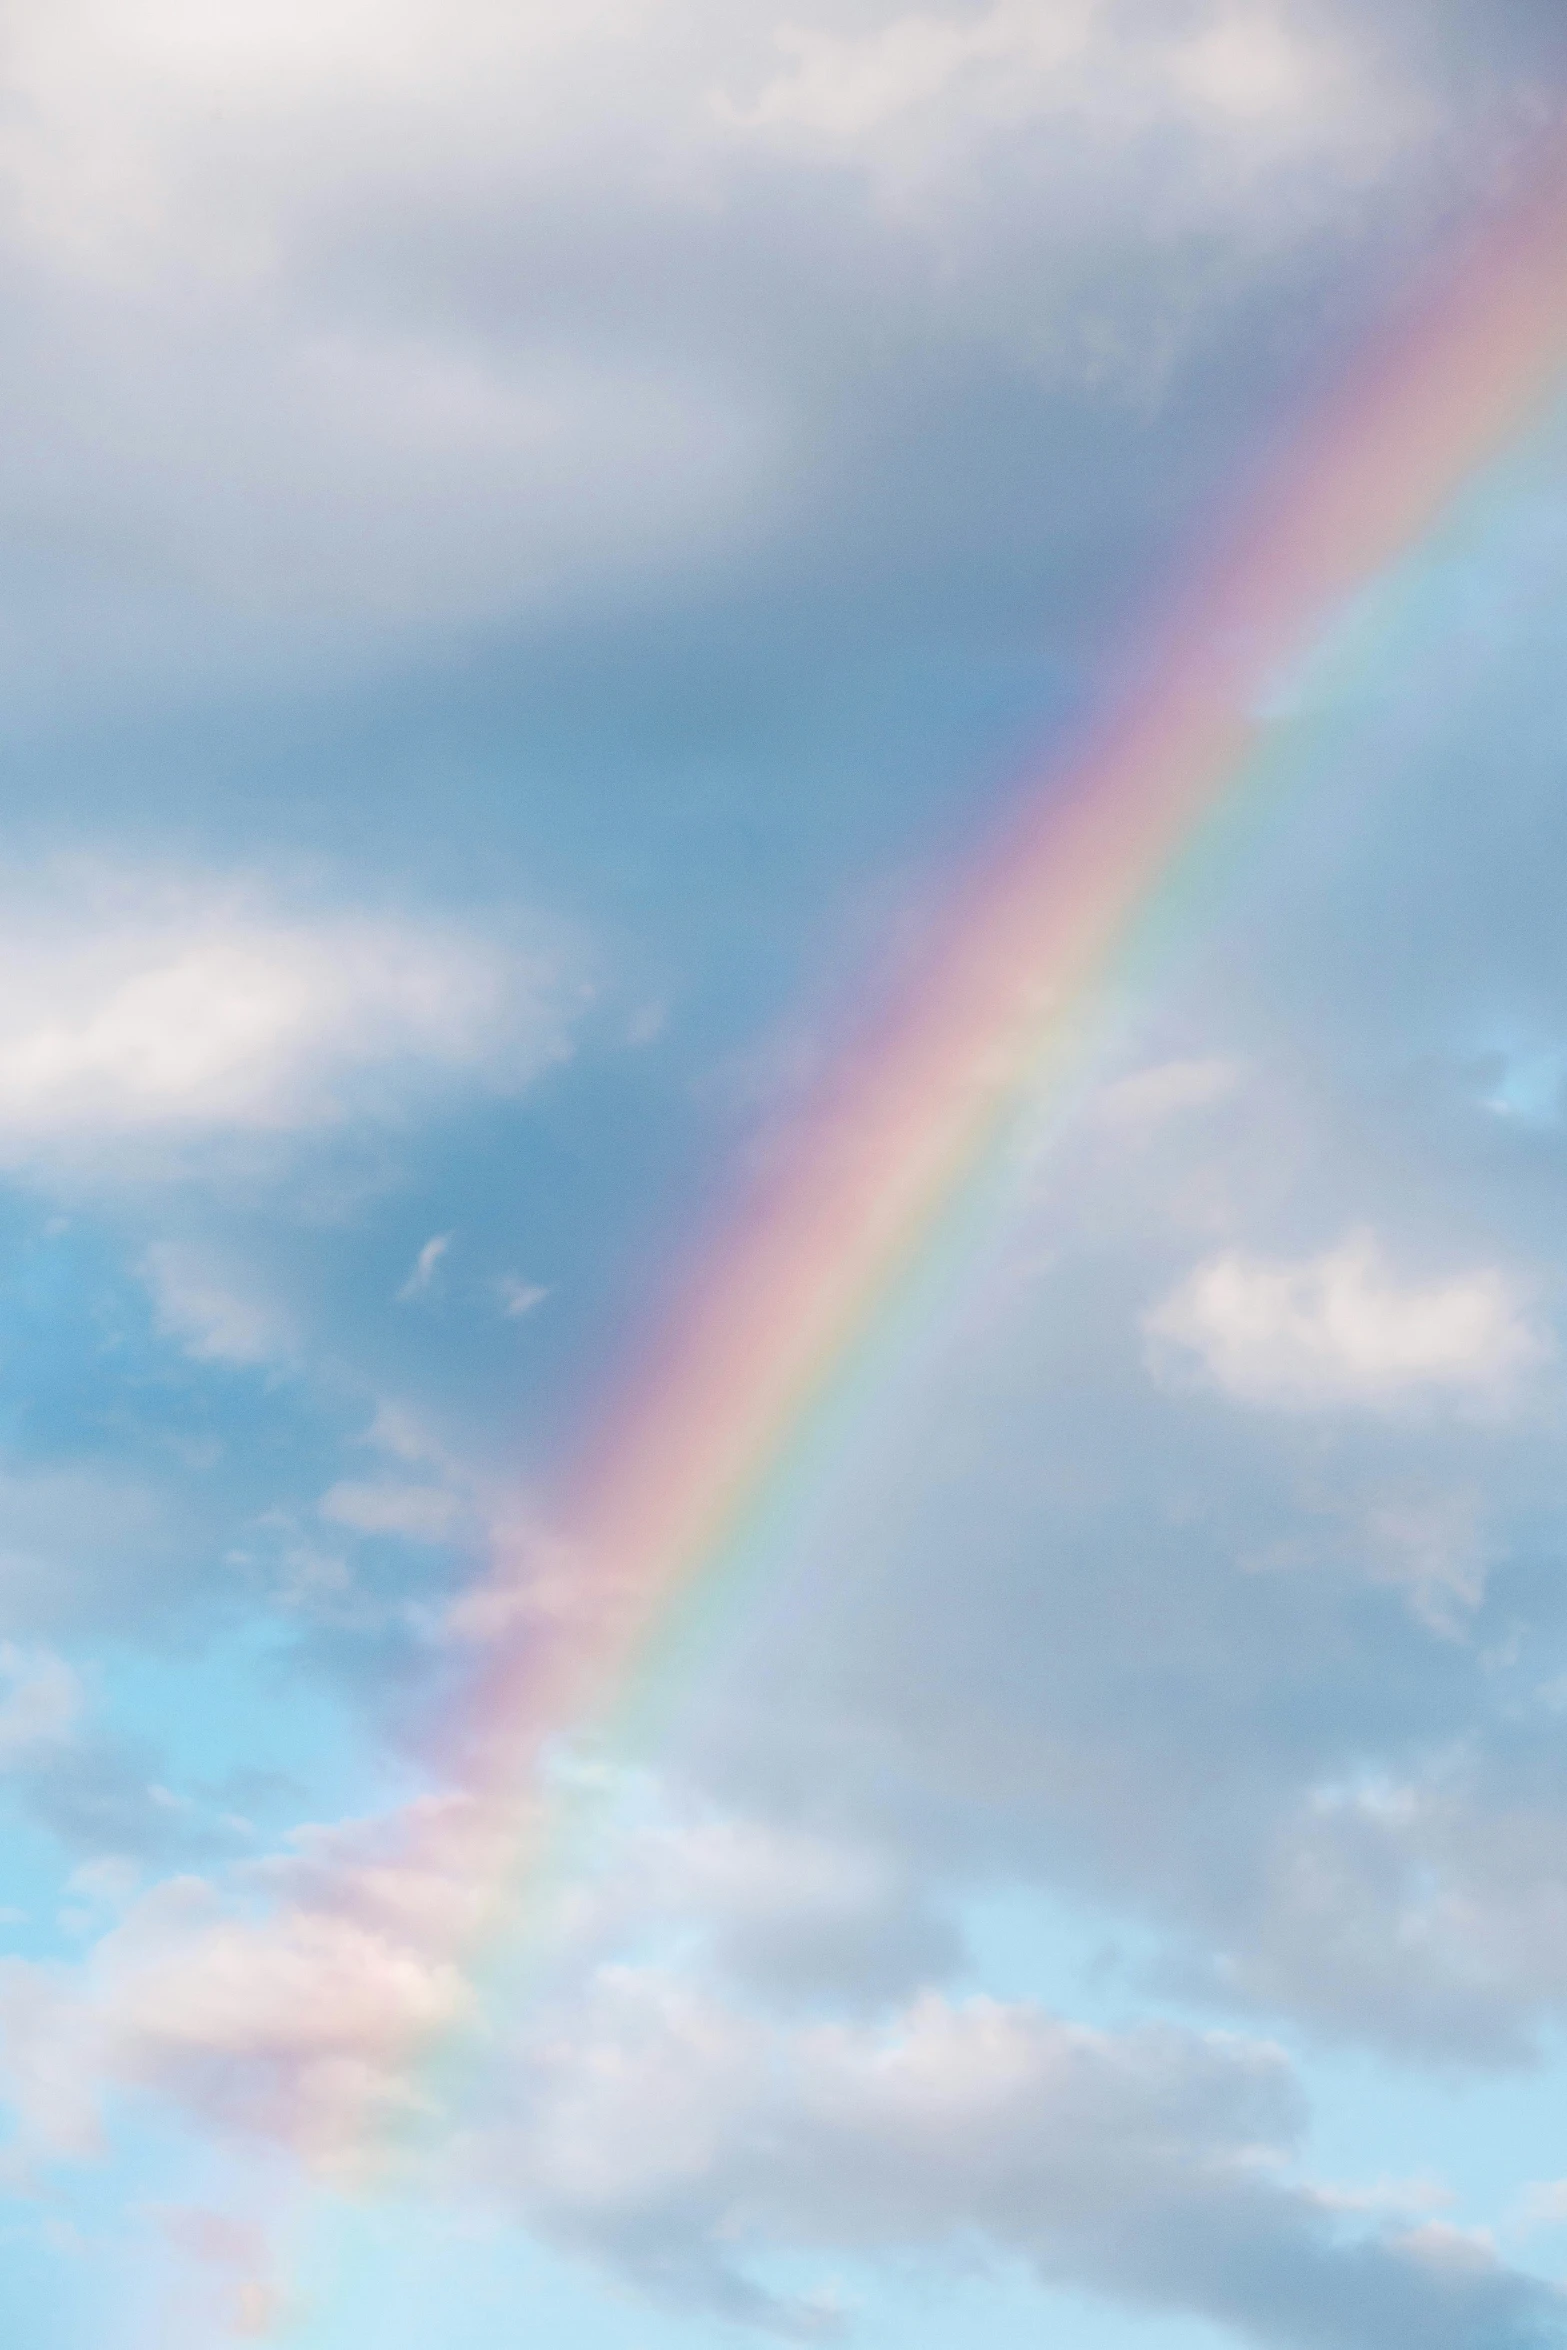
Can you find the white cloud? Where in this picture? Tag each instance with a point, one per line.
(1032, 1625)
(296, 2027)
(295, 2013)
(108, 1883)
(1250, 62)
(164, 1008)
(238, 2250)
(1341, 1329)
(519, 1297)
(426, 1265)
(794, 1914)
(1435, 1546)
(850, 84)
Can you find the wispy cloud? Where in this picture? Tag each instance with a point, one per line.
(420, 1513)
(519, 1297)
(426, 1268)
(215, 1310)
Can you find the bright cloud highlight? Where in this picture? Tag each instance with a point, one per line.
(1341, 1329)
(147, 1009)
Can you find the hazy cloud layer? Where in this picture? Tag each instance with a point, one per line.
(433, 317)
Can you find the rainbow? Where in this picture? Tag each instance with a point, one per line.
(725, 1395)
(877, 1168)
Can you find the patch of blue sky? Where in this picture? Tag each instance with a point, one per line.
(84, 1370)
(34, 1890)
(69, 1324)
(251, 1736)
(384, 2274)
(90, 2248)
(59, 2286)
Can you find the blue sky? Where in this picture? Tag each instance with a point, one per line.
(538, 537)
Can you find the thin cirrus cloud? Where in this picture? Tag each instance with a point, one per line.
(426, 1268)
(210, 1307)
(419, 1513)
(1342, 1329)
(519, 1297)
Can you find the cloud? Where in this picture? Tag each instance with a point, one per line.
(426, 1266)
(1543, 2205)
(798, 1918)
(477, 320)
(1430, 1543)
(40, 1702)
(519, 1297)
(677, 2137)
(81, 1538)
(849, 84)
(1248, 63)
(1268, 1697)
(673, 2136)
(381, 471)
(1340, 1330)
(480, 319)
(289, 2009)
(201, 1300)
(149, 1009)
(420, 1513)
(1412, 1908)
(291, 2028)
(1147, 1097)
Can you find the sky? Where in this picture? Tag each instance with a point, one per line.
(542, 544)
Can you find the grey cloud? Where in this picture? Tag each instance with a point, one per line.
(1278, 1685)
(674, 2137)
(506, 313)
(1146, 2167)
(795, 1919)
(1282, 1686)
